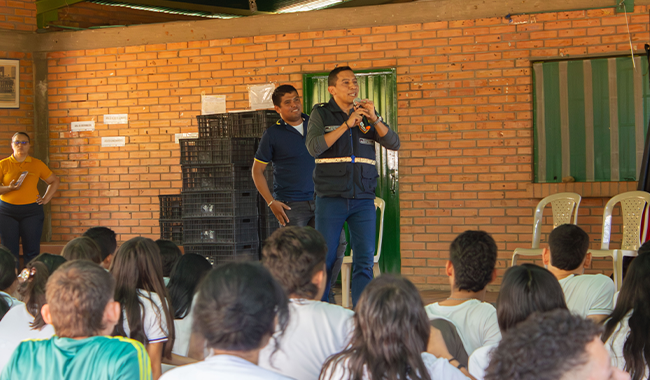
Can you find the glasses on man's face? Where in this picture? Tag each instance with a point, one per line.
(21, 142)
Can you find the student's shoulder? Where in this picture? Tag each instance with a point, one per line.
(594, 280)
(331, 309)
(119, 345)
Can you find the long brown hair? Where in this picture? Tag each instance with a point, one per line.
(137, 265)
(32, 290)
(391, 333)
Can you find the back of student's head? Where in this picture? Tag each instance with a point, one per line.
(568, 244)
(391, 332)
(526, 289)
(169, 254)
(52, 262)
(82, 248)
(546, 346)
(473, 255)
(7, 277)
(294, 255)
(31, 289)
(185, 277)
(105, 239)
(77, 295)
(237, 307)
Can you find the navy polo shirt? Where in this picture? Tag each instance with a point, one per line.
(293, 166)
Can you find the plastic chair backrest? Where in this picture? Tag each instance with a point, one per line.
(632, 205)
(381, 205)
(564, 205)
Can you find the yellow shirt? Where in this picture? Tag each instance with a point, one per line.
(10, 169)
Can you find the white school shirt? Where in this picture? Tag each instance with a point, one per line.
(480, 360)
(183, 331)
(153, 318)
(616, 341)
(222, 367)
(475, 321)
(316, 330)
(589, 294)
(14, 328)
(439, 369)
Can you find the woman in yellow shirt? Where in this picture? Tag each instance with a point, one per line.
(21, 205)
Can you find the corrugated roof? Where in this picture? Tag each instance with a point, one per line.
(151, 8)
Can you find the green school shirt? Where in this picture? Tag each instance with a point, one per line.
(96, 358)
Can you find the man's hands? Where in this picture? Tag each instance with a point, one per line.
(278, 208)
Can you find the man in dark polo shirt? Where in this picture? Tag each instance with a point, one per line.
(341, 136)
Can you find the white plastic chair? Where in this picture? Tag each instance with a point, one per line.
(564, 206)
(346, 267)
(632, 205)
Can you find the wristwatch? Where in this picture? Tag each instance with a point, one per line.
(377, 121)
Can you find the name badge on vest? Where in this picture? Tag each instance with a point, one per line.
(330, 128)
(366, 141)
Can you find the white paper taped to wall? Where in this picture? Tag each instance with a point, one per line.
(113, 141)
(81, 126)
(211, 104)
(121, 118)
(259, 96)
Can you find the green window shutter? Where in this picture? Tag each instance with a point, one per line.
(590, 119)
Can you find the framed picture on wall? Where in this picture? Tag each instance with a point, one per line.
(9, 83)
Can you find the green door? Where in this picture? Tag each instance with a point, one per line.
(380, 87)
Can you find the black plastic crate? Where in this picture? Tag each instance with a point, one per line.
(236, 124)
(221, 230)
(268, 224)
(225, 253)
(219, 204)
(172, 230)
(171, 206)
(222, 177)
(218, 151)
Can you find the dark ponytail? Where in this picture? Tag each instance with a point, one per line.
(32, 290)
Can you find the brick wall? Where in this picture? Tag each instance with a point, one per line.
(18, 15)
(465, 119)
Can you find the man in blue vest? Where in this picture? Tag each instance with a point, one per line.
(341, 135)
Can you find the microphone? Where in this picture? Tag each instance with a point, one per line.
(364, 124)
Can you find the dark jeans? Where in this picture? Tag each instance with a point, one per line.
(360, 214)
(22, 222)
(302, 214)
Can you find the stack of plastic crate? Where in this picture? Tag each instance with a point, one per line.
(171, 222)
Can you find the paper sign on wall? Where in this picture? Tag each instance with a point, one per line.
(211, 104)
(192, 135)
(259, 96)
(81, 126)
(118, 118)
(113, 141)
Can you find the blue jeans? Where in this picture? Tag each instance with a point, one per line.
(21, 222)
(360, 214)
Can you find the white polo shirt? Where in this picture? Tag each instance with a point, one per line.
(222, 367)
(153, 318)
(589, 294)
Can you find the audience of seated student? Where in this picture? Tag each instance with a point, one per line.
(147, 316)
(553, 345)
(627, 330)
(237, 307)
(52, 262)
(295, 256)
(184, 280)
(25, 321)
(525, 289)
(82, 248)
(588, 295)
(107, 242)
(169, 253)
(80, 306)
(391, 332)
(8, 281)
(471, 266)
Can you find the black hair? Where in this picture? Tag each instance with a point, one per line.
(281, 91)
(334, 74)
(474, 256)
(526, 289)
(237, 307)
(105, 239)
(21, 133)
(169, 254)
(634, 296)
(7, 277)
(52, 262)
(187, 273)
(569, 245)
(546, 346)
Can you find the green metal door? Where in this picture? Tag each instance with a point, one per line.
(380, 87)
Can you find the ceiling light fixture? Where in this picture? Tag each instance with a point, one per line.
(309, 5)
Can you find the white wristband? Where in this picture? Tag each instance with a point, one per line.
(270, 203)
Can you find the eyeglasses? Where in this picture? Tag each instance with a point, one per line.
(21, 142)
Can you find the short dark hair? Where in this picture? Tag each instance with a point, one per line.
(546, 346)
(78, 293)
(281, 91)
(526, 289)
(237, 306)
(21, 133)
(82, 248)
(334, 74)
(105, 239)
(293, 255)
(169, 253)
(569, 245)
(474, 256)
(52, 262)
